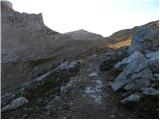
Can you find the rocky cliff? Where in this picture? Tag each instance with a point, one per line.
(22, 35)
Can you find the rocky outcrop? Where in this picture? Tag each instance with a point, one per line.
(145, 38)
(140, 71)
(135, 75)
(23, 34)
(137, 67)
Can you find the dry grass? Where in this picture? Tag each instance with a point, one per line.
(120, 44)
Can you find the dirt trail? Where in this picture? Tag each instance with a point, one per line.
(88, 96)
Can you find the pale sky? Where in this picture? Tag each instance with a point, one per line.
(99, 16)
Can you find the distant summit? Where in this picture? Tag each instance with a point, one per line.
(83, 35)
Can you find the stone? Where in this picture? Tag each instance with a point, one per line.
(132, 98)
(150, 91)
(57, 98)
(153, 61)
(15, 104)
(67, 65)
(109, 84)
(116, 85)
(69, 86)
(93, 74)
(156, 77)
(136, 72)
(145, 38)
(153, 55)
(127, 93)
(129, 86)
(121, 65)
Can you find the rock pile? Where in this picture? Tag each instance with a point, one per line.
(140, 71)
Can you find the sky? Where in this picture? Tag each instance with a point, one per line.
(98, 16)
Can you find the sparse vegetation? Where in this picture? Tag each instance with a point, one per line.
(46, 74)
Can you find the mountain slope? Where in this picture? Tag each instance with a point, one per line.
(30, 48)
(83, 35)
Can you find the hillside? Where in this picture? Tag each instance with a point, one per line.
(77, 75)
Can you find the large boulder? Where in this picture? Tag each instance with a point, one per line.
(145, 38)
(135, 75)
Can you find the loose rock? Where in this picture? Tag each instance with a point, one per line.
(150, 91)
(132, 98)
(15, 104)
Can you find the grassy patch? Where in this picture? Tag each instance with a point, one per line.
(51, 82)
(40, 61)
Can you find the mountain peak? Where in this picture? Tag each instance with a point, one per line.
(82, 34)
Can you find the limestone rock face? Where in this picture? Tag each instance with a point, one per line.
(135, 75)
(145, 38)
